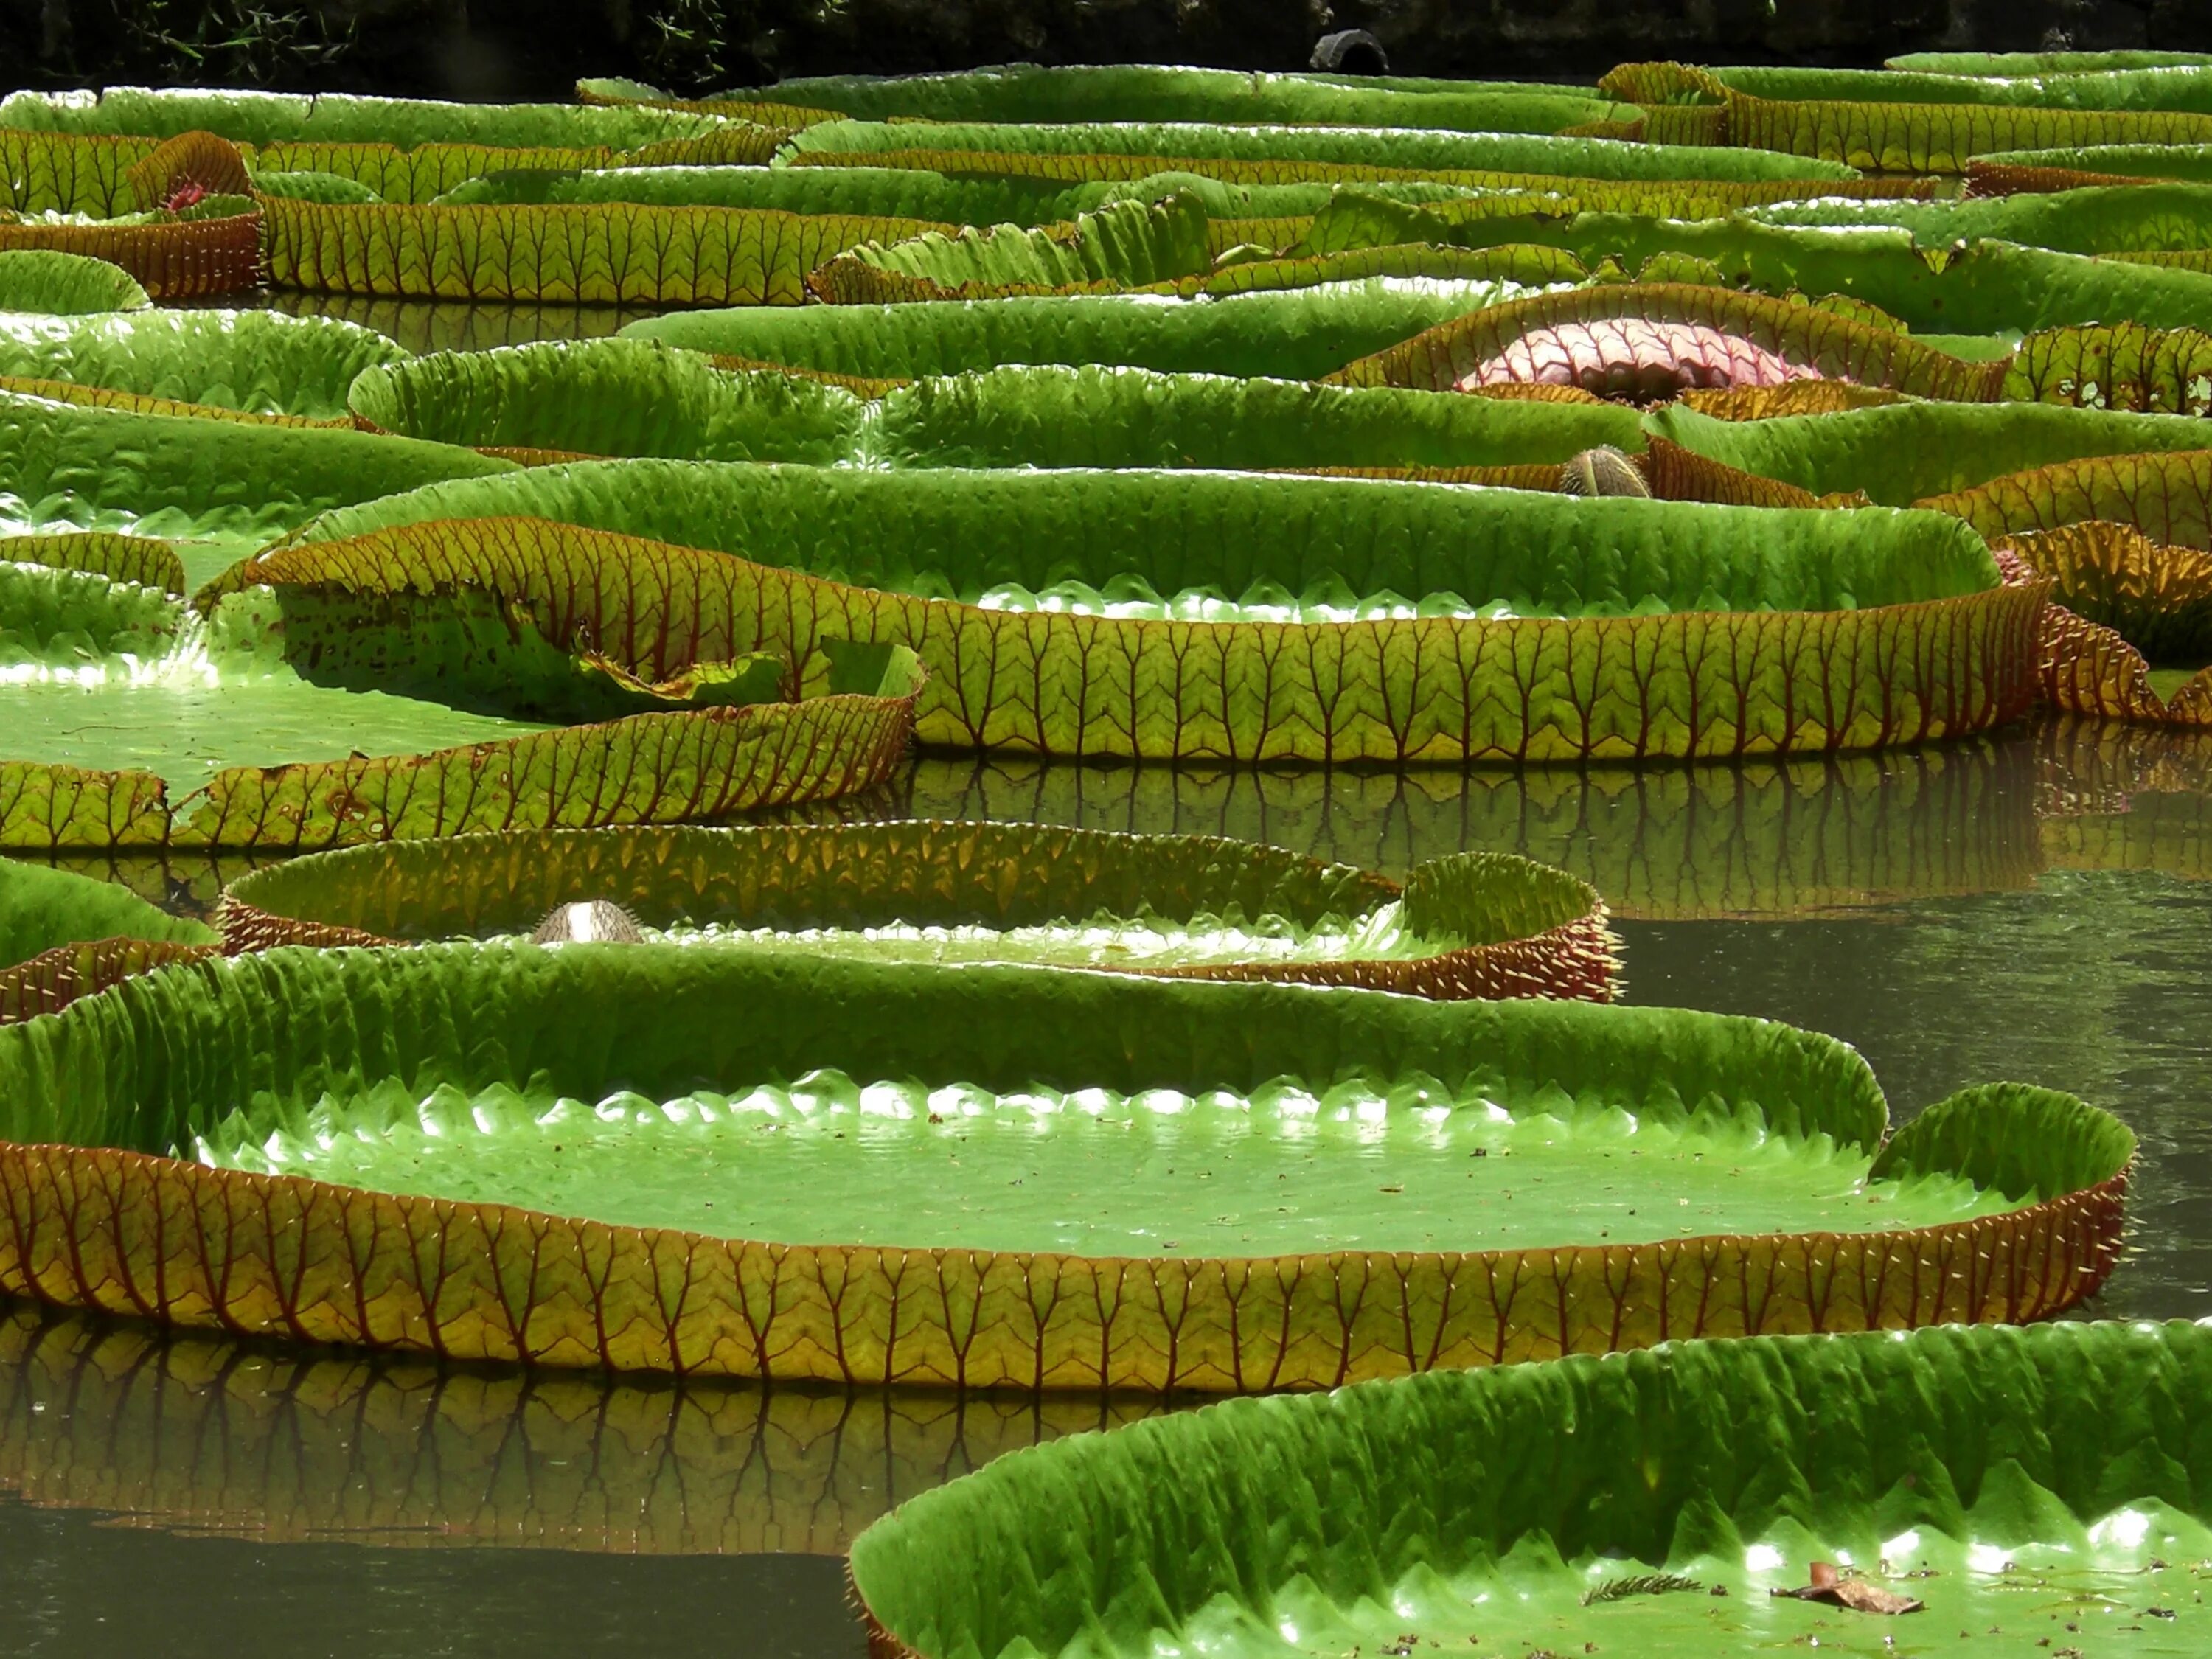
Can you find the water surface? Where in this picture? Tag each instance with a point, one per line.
(2029, 908)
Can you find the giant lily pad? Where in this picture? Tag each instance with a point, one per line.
(175, 214)
(2051, 85)
(223, 488)
(334, 716)
(1248, 618)
(874, 192)
(638, 397)
(65, 284)
(411, 175)
(1965, 287)
(1905, 454)
(2086, 166)
(625, 254)
(610, 397)
(1165, 146)
(257, 362)
(2166, 494)
(266, 118)
(2130, 219)
(42, 907)
(1974, 64)
(1188, 908)
(1055, 416)
(404, 150)
(63, 935)
(1689, 105)
(1122, 246)
(1295, 336)
(2017, 1483)
(577, 1157)
(171, 256)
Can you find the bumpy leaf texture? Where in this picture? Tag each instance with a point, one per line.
(1127, 244)
(1099, 167)
(1054, 417)
(1151, 93)
(1518, 263)
(1193, 146)
(258, 118)
(645, 769)
(1801, 396)
(50, 982)
(613, 92)
(2157, 598)
(609, 397)
(1412, 690)
(1909, 454)
(1661, 338)
(604, 255)
(1298, 335)
(2113, 575)
(182, 170)
(259, 363)
(65, 284)
(137, 403)
(185, 259)
(2167, 496)
(424, 172)
(140, 559)
(1492, 924)
(1896, 138)
(1631, 358)
(1213, 1523)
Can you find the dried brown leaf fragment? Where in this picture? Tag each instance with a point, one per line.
(1830, 1586)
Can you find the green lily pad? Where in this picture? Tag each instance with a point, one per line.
(262, 119)
(1975, 63)
(2038, 1491)
(221, 487)
(1054, 417)
(577, 1156)
(1483, 624)
(1469, 926)
(1296, 335)
(257, 362)
(610, 397)
(1592, 158)
(327, 715)
(42, 907)
(624, 397)
(1906, 453)
(65, 284)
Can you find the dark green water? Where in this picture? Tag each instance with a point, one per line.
(2034, 907)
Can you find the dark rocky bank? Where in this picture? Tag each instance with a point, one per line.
(530, 49)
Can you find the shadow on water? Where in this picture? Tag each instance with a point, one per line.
(2030, 906)
(183, 1496)
(226, 1439)
(1762, 841)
